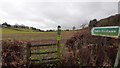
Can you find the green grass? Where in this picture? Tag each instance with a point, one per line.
(16, 31)
(25, 34)
(29, 35)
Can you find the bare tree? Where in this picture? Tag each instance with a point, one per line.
(92, 23)
(16, 26)
(83, 26)
(74, 28)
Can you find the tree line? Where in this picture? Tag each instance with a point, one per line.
(92, 23)
(6, 25)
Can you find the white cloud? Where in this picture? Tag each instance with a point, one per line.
(46, 15)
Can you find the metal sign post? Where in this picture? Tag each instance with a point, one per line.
(117, 57)
(114, 32)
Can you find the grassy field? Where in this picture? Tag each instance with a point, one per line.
(29, 35)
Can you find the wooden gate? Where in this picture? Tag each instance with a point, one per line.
(44, 53)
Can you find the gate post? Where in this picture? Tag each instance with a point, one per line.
(28, 52)
(58, 39)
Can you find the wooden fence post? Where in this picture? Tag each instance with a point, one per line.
(58, 40)
(28, 52)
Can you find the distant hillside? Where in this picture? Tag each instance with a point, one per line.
(110, 21)
(16, 30)
(84, 37)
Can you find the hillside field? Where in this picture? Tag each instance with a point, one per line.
(30, 35)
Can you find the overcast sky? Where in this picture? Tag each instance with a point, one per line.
(48, 14)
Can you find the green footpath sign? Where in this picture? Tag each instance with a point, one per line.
(113, 31)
